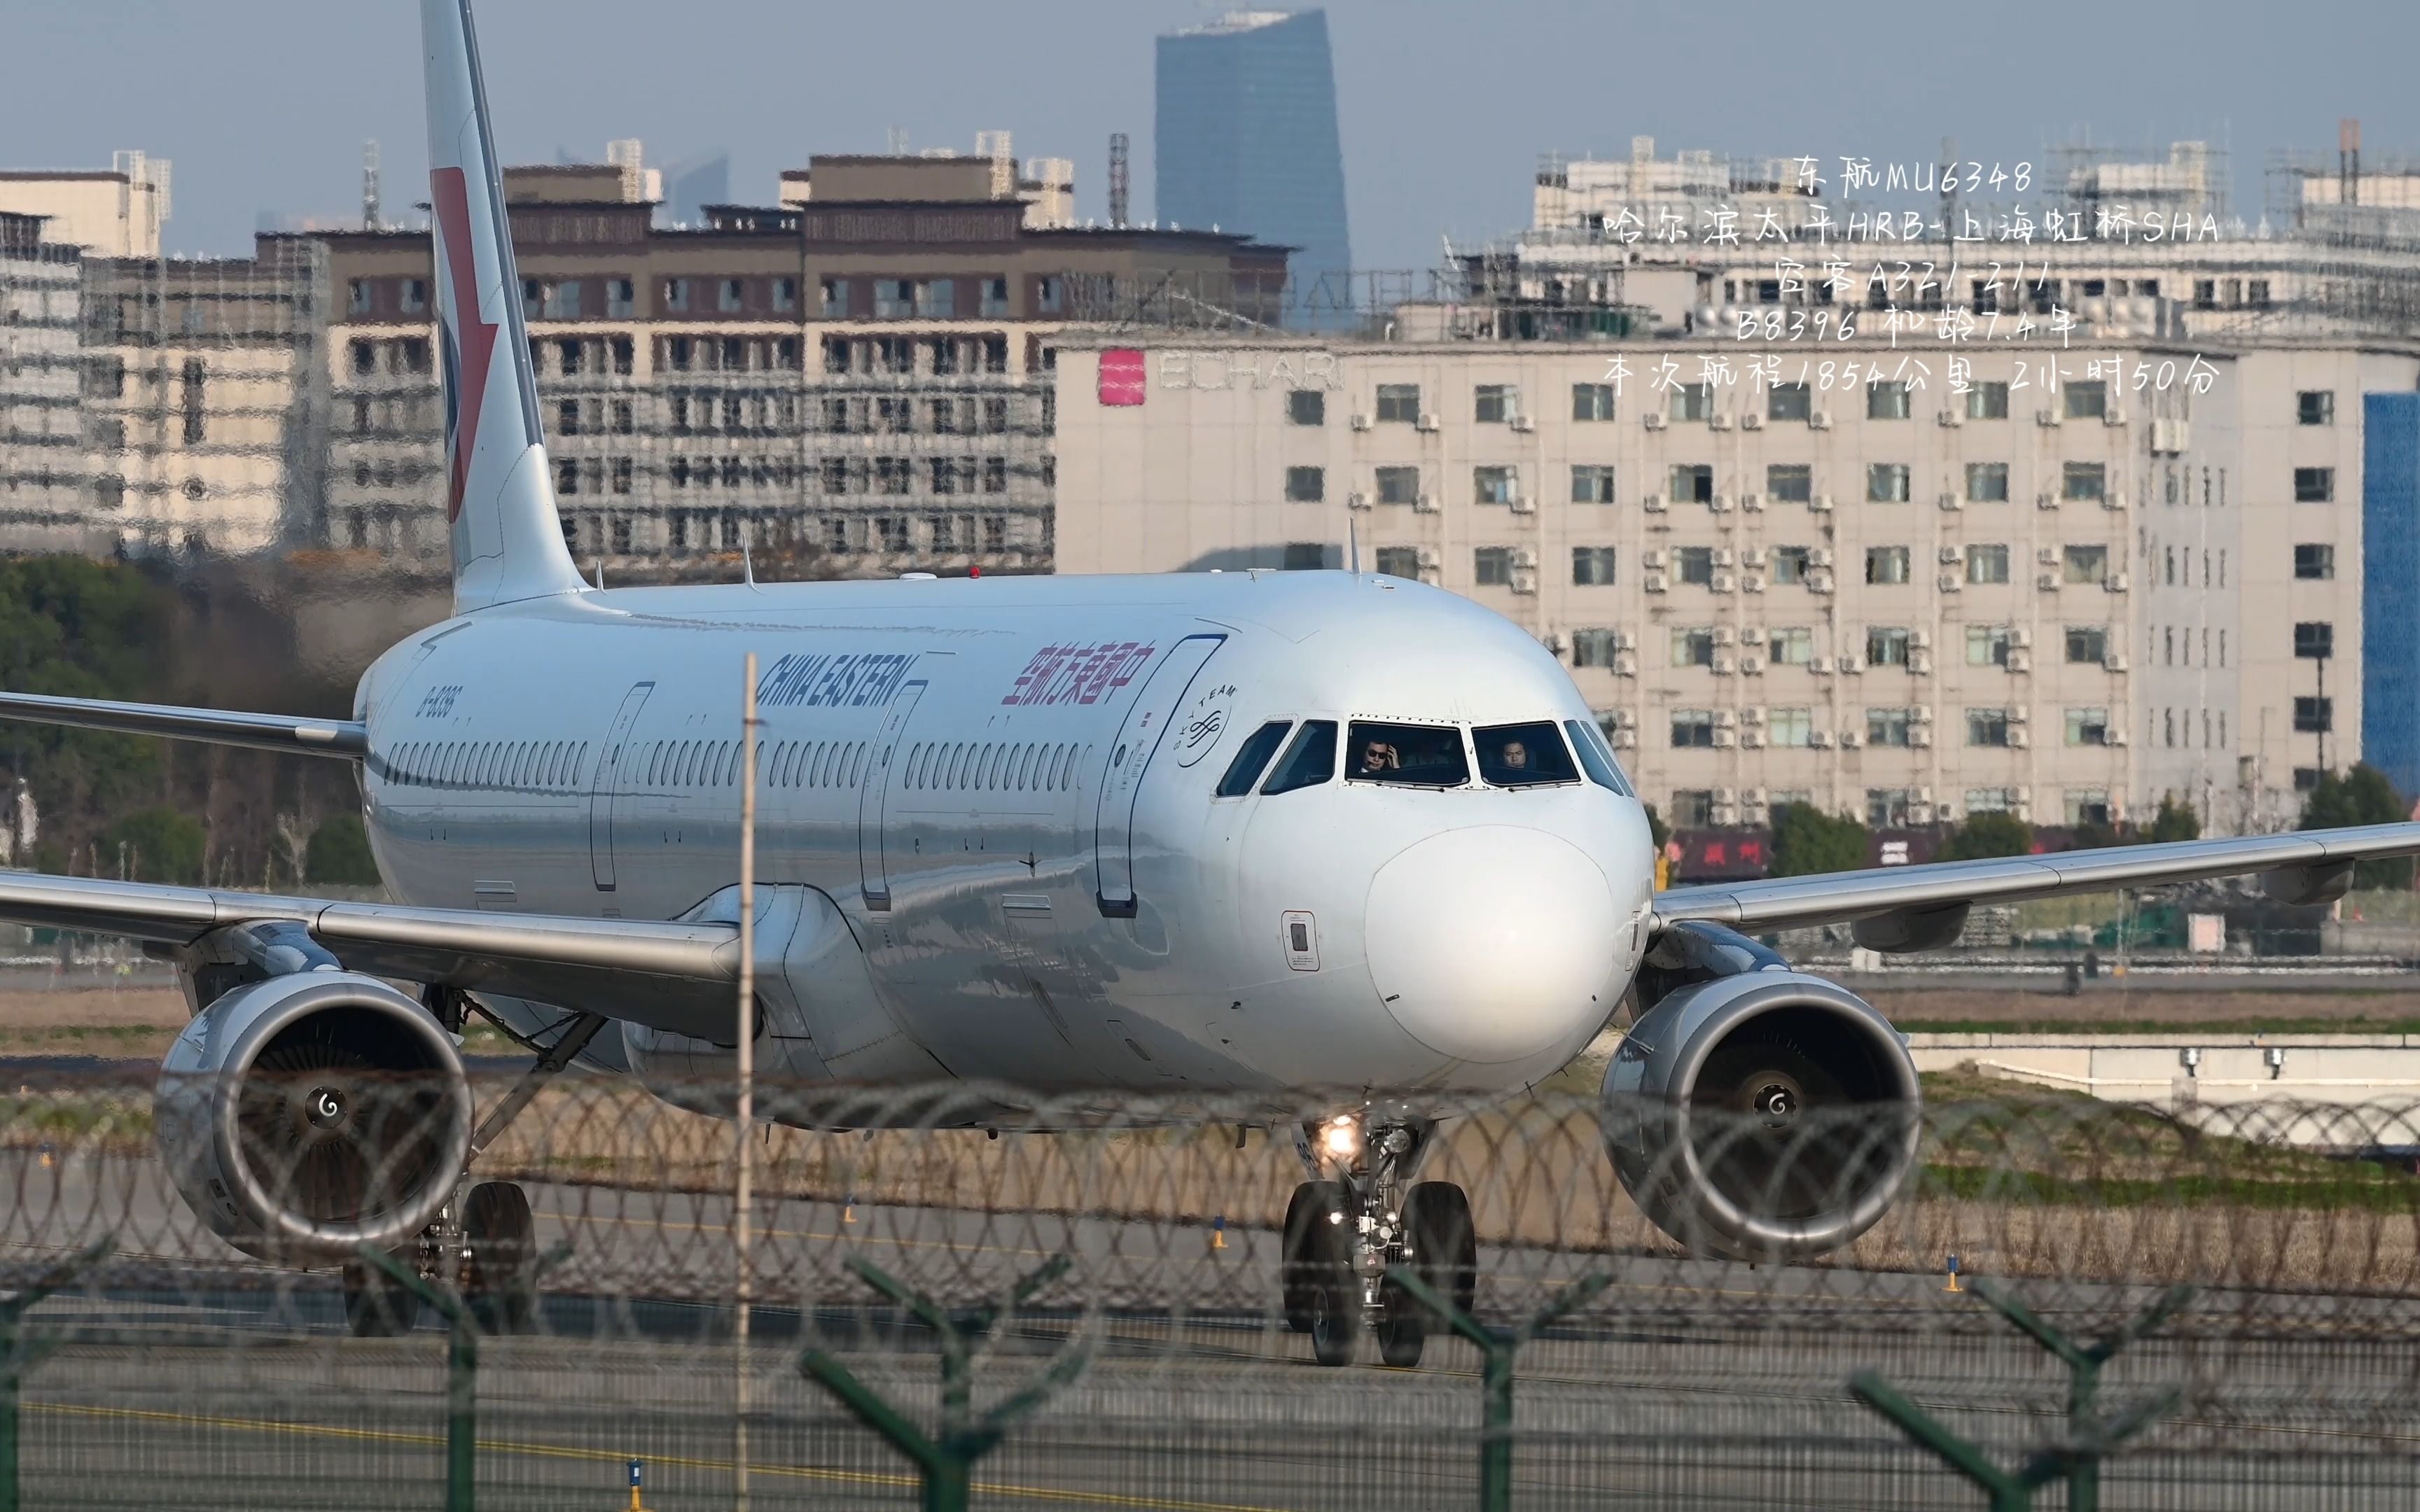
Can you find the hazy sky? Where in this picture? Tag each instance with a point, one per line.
(263, 104)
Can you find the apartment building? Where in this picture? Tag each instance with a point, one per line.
(2052, 592)
(859, 376)
(42, 502)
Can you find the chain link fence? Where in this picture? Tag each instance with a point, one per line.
(1085, 1306)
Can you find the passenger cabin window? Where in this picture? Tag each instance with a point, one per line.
(1596, 755)
(1252, 757)
(1523, 755)
(1310, 761)
(1410, 755)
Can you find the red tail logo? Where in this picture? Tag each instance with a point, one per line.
(469, 342)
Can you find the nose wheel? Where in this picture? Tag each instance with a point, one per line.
(1345, 1231)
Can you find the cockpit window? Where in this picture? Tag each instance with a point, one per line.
(1523, 755)
(1310, 761)
(1596, 756)
(1257, 749)
(1411, 755)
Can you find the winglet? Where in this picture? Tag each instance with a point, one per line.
(507, 537)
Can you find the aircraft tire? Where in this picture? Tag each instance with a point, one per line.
(500, 1276)
(1402, 1327)
(376, 1306)
(1443, 1243)
(1312, 1203)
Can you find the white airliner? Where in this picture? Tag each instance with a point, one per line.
(1210, 834)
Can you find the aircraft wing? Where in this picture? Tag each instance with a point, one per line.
(671, 976)
(267, 732)
(2307, 866)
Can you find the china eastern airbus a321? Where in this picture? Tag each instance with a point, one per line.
(1223, 833)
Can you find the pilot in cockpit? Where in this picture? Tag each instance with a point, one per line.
(1378, 756)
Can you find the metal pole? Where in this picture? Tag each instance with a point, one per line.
(746, 1116)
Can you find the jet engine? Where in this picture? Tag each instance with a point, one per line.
(1758, 1111)
(304, 1115)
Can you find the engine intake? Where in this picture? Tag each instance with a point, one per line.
(1767, 1114)
(304, 1116)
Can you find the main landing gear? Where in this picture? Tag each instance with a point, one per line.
(484, 1243)
(1360, 1215)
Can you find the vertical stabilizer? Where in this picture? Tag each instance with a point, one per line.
(507, 537)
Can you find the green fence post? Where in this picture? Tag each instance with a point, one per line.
(945, 1463)
(20, 1355)
(462, 1368)
(2009, 1493)
(2089, 1439)
(1497, 1350)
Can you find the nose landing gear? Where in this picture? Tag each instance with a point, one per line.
(1359, 1216)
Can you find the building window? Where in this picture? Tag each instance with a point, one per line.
(1591, 567)
(993, 306)
(1048, 296)
(1400, 561)
(1887, 401)
(1886, 564)
(2088, 727)
(1788, 401)
(2314, 639)
(2087, 643)
(412, 295)
(1987, 727)
(1693, 729)
(2314, 716)
(1987, 565)
(1306, 486)
(364, 355)
(1987, 645)
(2315, 486)
(1987, 401)
(2086, 564)
(1987, 483)
(2314, 561)
(1693, 484)
(1889, 808)
(1694, 565)
(1305, 407)
(1490, 566)
(1791, 729)
(1788, 564)
(2314, 407)
(785, 294)
(1691, 401)
(361, 301)
(1592, 483)
(1886, 482)
(1399, 403)
(1693, 646)
(1791, 483)
(2086, 401)
(893, 300)
(2083, 481)
(937, 298)
(1886, 645)
(1494, 484)
(1591, 401)
(1790, 645)
(677, 294)
(1495, 404)
(1398, 486)
(2088, 806)
(732, 297)
(1593, 648)
(835, 295)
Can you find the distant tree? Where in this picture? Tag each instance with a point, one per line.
(340, 854)
(1807, 841)
(160, 845)
(2175, 821)
(2361, 797)
(1987, 834)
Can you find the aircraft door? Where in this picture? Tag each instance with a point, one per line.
(874, 795)
(606, 781)
(1129, 755)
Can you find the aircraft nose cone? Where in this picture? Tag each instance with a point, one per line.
(1487, 943)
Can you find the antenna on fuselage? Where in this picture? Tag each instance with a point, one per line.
(598, 564)
(1353, 546)
(747, 563)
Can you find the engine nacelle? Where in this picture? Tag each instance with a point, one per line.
(1765, 1115)
(302, 1116)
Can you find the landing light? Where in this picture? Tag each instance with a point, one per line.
(1341, 1138)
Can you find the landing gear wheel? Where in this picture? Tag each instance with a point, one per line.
(1441, 1245)
(1321, 1297)
(500, 1272)
(1402, 1327)
(1311, 1206)
(377, 1306)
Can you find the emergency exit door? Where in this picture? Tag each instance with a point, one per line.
(606, 783)
(1138, 737)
